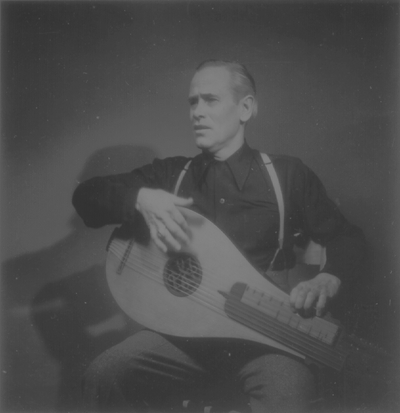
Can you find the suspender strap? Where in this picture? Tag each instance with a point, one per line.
(180, 177)
(267, 167)
(277, 188)
(278, 192)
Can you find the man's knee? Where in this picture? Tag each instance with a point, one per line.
(145, 369)
(108, 375)
(279, 382)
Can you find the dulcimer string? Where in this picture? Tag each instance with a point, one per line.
(206, 295)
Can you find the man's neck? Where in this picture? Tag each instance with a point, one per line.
(226, 151)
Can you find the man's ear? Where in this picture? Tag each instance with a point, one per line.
(247, 108)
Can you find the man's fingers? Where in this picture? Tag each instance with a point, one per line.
(160, 245)
(161, 229)
(155, 236)
(292, 297)
(322, 299)
(176, 231)
(164, 234)
(311, 297)
(297, 297)
(180, 227)
(167, 224)
(171, 241)
(178, 201)
(305, 296)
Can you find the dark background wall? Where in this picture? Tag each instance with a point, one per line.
(91, 88)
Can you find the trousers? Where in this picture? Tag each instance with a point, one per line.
(150, 372)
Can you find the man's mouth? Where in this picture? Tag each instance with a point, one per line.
(200, 127)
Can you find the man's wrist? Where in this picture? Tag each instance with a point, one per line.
(129, 209)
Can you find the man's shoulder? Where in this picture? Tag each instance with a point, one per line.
(183, 160)
(180, 159)
(286, 161)
(284, 158)
(289, 167)
(175, 161)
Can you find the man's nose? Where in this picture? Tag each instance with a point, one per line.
(197, 111)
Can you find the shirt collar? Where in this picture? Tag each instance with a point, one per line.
(239, 164)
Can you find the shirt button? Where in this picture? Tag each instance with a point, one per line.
(222, 201)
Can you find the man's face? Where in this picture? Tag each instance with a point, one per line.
(214, 112)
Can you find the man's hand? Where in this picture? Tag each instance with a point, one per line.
(318, 290)
(168, 227)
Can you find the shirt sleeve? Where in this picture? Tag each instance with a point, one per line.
(109, 200)
(322, 221)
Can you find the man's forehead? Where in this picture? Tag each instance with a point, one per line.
(210, 80)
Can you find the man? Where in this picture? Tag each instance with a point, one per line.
(226, 184)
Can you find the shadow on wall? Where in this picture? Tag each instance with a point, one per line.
(58, 313)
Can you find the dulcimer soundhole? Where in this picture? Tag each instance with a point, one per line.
(182, 274)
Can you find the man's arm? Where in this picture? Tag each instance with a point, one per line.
(345, 244)
(107, 200)
(115, 199)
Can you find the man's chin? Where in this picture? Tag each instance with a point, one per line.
(203, 143)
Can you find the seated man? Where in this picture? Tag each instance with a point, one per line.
(226, 183)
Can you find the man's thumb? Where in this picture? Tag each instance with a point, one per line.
(182, 201)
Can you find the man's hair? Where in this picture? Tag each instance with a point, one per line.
(243, 81)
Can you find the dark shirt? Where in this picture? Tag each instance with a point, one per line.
(236, 195)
